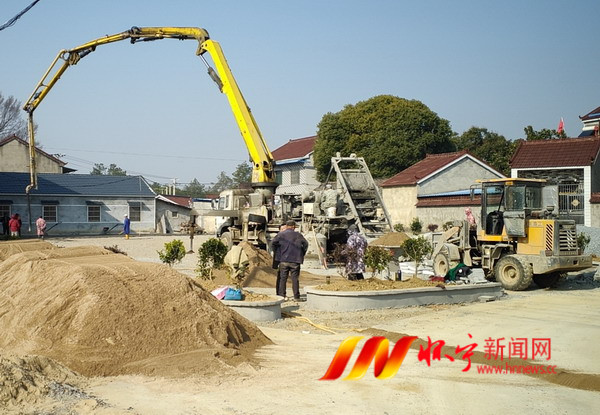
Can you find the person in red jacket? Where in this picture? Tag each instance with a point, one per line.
(14, 225)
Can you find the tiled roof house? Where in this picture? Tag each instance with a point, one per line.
(591, 123)
(294, 167)
(79, 203)
(172, 212)
(435, 189)
(14, 157)
(570, 163)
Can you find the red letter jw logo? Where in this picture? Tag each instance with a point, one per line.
(374, 348)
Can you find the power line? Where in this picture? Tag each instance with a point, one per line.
(12, 21)
(87, 163)
(144, 154)
(83, 163)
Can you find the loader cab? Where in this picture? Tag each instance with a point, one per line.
(507, 203)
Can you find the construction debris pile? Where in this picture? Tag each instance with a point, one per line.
(101, 313)
(32, 379)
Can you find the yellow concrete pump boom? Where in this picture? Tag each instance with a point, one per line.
(262, 174)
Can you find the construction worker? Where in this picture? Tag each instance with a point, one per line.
(276, 260)
(291, 248)
(330, 201)
(126, 226)
(40, 224)
(14, 224)
(356, 247)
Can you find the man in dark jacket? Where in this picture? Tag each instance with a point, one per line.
(291, 248)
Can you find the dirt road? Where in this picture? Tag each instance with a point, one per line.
(285, 381)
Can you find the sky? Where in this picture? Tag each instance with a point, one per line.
(151, 108)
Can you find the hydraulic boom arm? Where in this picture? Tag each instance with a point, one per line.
(262, 174)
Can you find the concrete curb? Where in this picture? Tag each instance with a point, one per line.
(268, 310)
(369, 300)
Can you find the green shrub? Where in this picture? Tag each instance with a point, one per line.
(399, 227)
(377, 258)
(342, 255)
(173, 252)
(211, 256)
(416, 249)
(583, 241)
(432, 227)
(447, 225)
(416, 226)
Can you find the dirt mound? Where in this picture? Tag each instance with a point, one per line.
(260, 271)
(375, 284)
(101, 313)
(9, 248)
(391, 239)
(30, 379)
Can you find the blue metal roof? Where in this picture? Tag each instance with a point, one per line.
(291, 161)
(466, 192)
(587, 133)
(76, 185)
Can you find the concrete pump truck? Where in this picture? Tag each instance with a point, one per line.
(263, 177)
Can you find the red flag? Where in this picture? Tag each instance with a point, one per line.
(561, 126)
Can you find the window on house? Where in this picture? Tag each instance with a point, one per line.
(279, 177)
(135, 212)
(4, 211)
(295, 177)
(174, 214)
(50, 213)
(93, 213)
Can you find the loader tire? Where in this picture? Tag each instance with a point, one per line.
(513, 273)
(546, 280)
(226, 239)
(442, 264)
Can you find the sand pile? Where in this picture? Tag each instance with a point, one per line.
(391, 239)
(260, 271)
(8, 248)
(101, 313)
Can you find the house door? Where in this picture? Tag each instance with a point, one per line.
(571, 202)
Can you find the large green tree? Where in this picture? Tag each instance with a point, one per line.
(489, 146)
(242, 174)
(223, 182)
(193, 189)
(543, 134)
(157, 187)
(391, 133)
(112, 170)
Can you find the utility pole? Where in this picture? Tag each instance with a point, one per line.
(173, 186)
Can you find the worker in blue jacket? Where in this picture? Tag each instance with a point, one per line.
(126, 226)
(291, 247)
